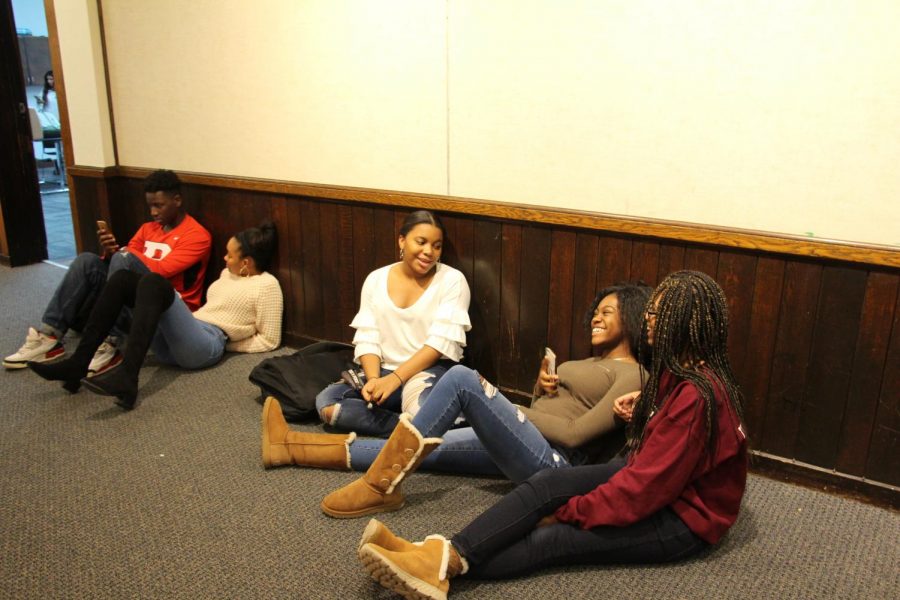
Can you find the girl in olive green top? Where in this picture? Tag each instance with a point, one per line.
(579, 418)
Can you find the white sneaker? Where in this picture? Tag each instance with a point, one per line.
(106, 358)
(38, 347)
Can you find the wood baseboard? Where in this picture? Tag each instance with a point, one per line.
(825, 480)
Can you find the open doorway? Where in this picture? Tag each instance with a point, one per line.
(40, 93)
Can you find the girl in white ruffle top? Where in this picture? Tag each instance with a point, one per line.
(411, 327)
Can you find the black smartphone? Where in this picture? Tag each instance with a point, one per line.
(352, 378)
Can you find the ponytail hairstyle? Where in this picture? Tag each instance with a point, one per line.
(417, 218)
(259, 243)
(690, 339)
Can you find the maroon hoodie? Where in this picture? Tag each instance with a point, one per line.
(673, 468)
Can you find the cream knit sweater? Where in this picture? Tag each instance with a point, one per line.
(247, 309)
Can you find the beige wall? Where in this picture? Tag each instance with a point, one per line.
(764, 115)
(775, 116)
(350, 93)
(78, 31)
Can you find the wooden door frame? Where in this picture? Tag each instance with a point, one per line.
(22, 236)
(66, 132)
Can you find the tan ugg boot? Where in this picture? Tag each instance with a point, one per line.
(378, 534)
(379, 489)
(281, 446)
(422, 572)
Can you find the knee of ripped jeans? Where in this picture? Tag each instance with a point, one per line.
(489, 390)
(329, 414)
(520, 415)
(412, 391)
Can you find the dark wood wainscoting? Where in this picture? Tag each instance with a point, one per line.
(814, 341)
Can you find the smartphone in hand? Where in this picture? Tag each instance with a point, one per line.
(551, 361)
(351, 377)
(106, 238)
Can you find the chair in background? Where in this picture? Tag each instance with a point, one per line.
(49, 147)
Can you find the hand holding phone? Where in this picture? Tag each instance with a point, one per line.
(353, 378)
(106, 238)
(551, 361)
(548, 380)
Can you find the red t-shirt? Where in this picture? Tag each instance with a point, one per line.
(180, 255)
(673, 468)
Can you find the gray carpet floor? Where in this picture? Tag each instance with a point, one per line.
(170, 501)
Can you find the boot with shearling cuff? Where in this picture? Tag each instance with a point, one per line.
(379, 489)
(422, 572)
(378, 534)
(281, 446)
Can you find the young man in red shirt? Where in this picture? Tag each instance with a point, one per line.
(173, 245)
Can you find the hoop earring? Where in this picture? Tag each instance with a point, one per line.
(401, 253)
(244, 272)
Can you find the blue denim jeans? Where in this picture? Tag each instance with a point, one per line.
(185, 341)
(502, 542)
(379, 420)
(499, 433)
(71, 303)
(460, 452)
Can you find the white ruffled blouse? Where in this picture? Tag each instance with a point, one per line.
(439, 318)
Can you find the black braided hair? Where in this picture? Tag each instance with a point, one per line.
(690, 339)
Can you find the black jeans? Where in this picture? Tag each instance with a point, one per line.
(503, 542)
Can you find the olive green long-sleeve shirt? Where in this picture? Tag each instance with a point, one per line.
(582, 411)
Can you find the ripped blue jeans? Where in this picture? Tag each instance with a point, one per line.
(355, 414)
(500, 439)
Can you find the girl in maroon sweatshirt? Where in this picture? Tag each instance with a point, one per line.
(677, 492)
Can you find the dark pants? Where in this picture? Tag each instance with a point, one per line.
(503, 542)
(76, 294)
